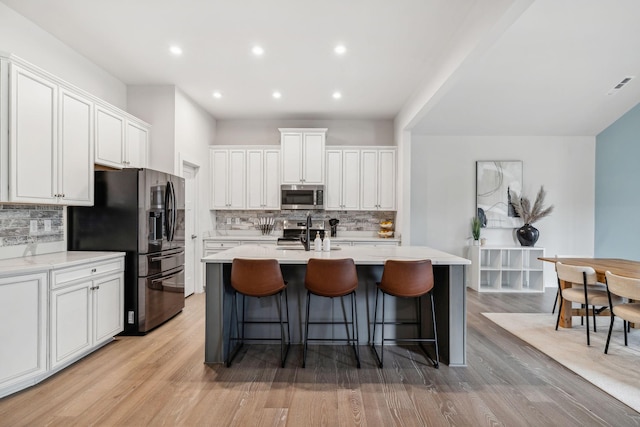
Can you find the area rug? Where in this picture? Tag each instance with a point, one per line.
(616, 373)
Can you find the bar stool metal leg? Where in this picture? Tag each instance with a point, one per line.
(284, 347)
(306, 332)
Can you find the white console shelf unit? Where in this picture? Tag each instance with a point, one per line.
(506, 269)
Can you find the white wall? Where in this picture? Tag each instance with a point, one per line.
(23, 38)
(340, 132)
(156, 105)
(443, 190)
(195, 131)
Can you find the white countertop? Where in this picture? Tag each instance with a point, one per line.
(24, 265)
(243, 236)
(371, 255)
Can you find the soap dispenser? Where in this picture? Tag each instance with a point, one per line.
(326, 243)
(317, 243)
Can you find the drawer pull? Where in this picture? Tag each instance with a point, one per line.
(93, 270)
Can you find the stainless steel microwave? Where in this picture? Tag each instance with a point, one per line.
(302, 196)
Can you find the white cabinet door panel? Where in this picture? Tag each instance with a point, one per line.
(387, 180)
(33, 139)
(369, 182)
(351, 179)
(291, 145)
(219, 177)
(272, 179)
(136, 147)
(23, 351)
(313, 158)
(75, 174)
(237, 184)
(255, 179)
(108, 307)
(109, 138)
(70, 322)
(333, 188)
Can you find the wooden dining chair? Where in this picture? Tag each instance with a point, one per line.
(623, 292)
(582, 291)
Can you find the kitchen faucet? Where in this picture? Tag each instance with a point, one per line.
(306, 239)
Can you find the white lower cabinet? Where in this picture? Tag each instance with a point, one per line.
(64, 313)
(23, 326)
(85, 315)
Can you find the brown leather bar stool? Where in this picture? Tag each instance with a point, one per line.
(332, 278)
(406, 279)
(258, 278)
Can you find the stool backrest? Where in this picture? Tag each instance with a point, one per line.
(256, 277)
(331, 277)
(407, 278)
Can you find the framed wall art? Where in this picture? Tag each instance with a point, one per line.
(496, 182)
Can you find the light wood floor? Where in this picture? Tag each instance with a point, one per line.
(160, 379)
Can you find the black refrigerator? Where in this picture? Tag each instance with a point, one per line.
(139, 212)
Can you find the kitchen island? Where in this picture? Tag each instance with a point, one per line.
(449, 293)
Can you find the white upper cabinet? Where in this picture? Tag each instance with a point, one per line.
(227, 179)
(120, 141)
(342, 190)
(52, 134)
(34, 137)
(110, 128)
(75, 175)
(136, 146)
(50, 142)
(263, 182)
(378, 179)
(302, 155)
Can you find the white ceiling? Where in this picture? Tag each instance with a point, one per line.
(547, 74)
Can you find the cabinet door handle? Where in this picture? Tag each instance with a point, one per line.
(93, 270)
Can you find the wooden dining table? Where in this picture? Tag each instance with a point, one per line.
(622, 267)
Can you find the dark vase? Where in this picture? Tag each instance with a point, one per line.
(527, 235)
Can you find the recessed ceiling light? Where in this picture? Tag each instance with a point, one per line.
(217, 94)
(176, 50)
(337, 95)
(277, 95)
(257, 50)
(340, 49)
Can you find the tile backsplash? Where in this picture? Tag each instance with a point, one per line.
(349, 220)
(15, 224)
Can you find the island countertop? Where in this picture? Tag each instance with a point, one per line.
(362, 255)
